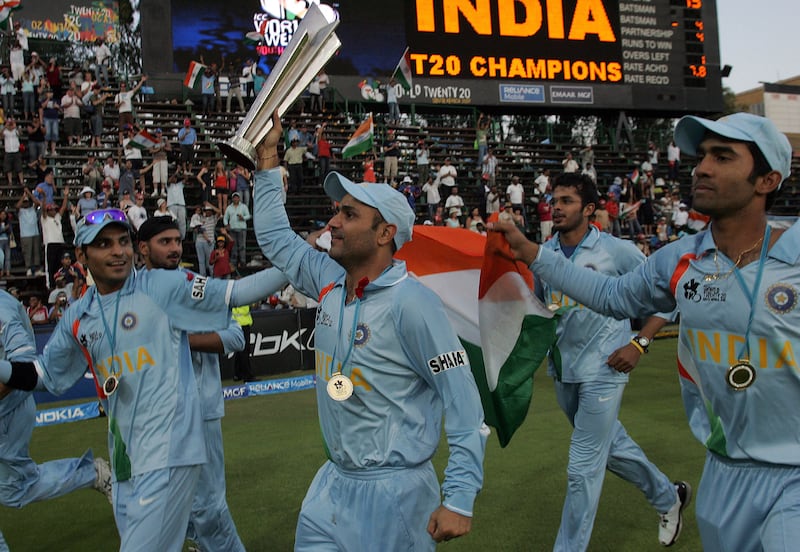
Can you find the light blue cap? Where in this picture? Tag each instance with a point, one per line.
(391, 204)
(745, 127)
(87, 232)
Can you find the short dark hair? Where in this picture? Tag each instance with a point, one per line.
(586, 188)
(760, 168)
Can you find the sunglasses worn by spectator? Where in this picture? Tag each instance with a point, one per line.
(101, 215)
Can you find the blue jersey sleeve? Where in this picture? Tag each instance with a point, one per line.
(438, 356)
(307, 269)
(232, 338)
(194, 303)
(62, 362)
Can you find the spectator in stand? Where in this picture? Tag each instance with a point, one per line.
(234, 85)
(423, 161)
(204, 178)
(8, 88)
(59, 306)
(482, 136)
(102, 59)
(204, 225)
(111, 172)
(207, 90)
(369, 168)
(53, 236)
(393, 117)
(569, 164)
(95, 108)
(92, 172)
(160, 165)
(6, 233)
(125, 201)
(432, 196)
(38, 67)
(454, 201)
(16, 58)
(474, 220)
(87, 202)
(53, 75)
(315, 94)
(587, 157)
(489, 167)
(221, 186)
(652, 156)
(134, 155)
(601, 218)
(104, 196)
(50, 109)
(541, 186)
(515, 193)
(123, 101)
(248, 73)
(453, 220)
(30, 237)
(136, 213)
(37, 311)
(46, 189)
(235, 220)
(176, 202)
(492, 201)
(646, 166)
(12, 162)
(161, 209)
(447, 175)
(411, 191)
(187, 138)
(60, 286)
(294, 161)
(590, 172)
(259, 79)
(78, 288)
(28, 87)
(324, 154)
(674, 160)
(127, 179)
(71, 107)
(544, 209)
(391, 156)
(680, 218)
(612, 206)
(324, 89)
(220, 258)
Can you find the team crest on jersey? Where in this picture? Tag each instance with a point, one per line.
(128, 321)
(362, 335)
(781, 298)
(445, 361)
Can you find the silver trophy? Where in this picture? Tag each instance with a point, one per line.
(313, 44)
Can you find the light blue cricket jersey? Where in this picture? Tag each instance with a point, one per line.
(17, 343)
(207, 374)
(759, 423)
(407, 365)
(586, 338)
(155, 410)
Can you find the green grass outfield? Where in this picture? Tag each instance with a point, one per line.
(273, 448)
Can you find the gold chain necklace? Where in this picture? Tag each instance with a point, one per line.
(717, 276)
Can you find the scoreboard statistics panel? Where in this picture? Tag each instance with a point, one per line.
(651, 55)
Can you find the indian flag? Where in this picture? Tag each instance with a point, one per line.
(361, 141)
(144, 140)
(6, 7)
(193, 75)
(505, 330)
(402, 73)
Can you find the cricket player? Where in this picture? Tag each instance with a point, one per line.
(737, 287)
(389, 366)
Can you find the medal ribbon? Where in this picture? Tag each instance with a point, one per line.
(751, 295)
(112, 339)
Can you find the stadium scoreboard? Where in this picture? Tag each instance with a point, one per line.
(637, 55)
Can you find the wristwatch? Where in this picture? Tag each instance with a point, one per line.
(642, 342)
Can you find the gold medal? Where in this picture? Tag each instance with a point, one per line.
(110, 385)
(340, 388)
(741, 375)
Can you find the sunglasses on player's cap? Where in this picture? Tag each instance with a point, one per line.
(91, 225)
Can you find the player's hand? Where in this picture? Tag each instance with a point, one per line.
(267, 150)
(524, 250)
(625, 358)
(4, 390)
(445, 525)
